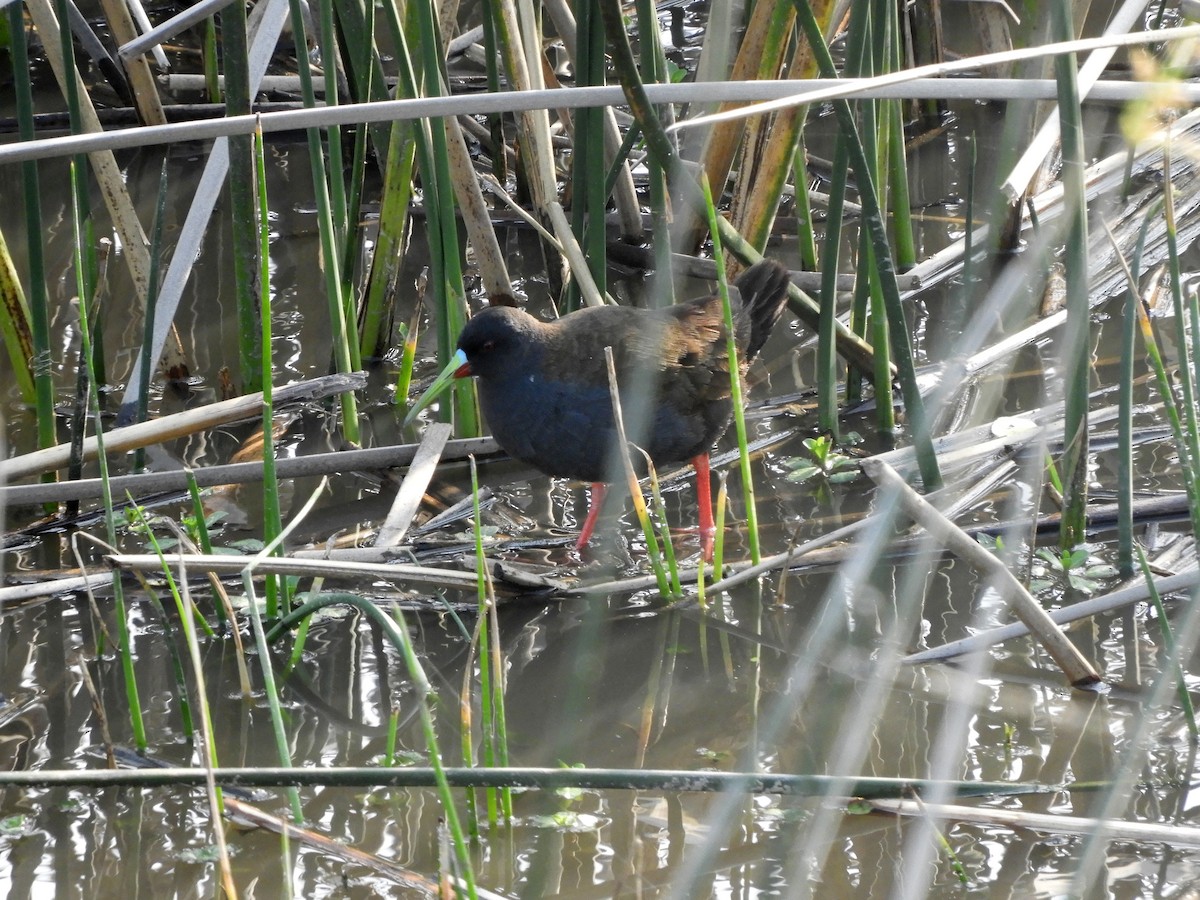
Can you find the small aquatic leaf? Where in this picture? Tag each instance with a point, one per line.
(803, 472)
(202, 855)
(248, 545)
(1075, 558)
(567, 820)
(15, 826)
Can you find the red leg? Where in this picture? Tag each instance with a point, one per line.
(589, 524)
(708, 528)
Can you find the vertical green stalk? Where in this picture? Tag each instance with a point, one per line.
(495, 121)
(200, 529)
(143, 398)
(1168, 639)
(1186, 311)
(389, 245)
(885, 409)
(427, 699)
(448, 300)
(588, 169)
(483, 645)
(655, 70)
(435, 168)
(1124, 485)
(1076, 336)
(80, 187)
(276, 585)
(212, 71)
(270, 688)
(806, 238)
(897, 161)
(664, 530)
(339, 323)
(242, 206)
(14, 322)
(408, 357)
(326, 40)
(110, 521)
(735, 381)
(499, 715)
(827, 390)
(885, 269)
(39, 298)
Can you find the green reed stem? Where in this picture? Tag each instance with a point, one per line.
(1124, 485)
(587, 161)
(483, 644)
(1186, 313)
(499, 690)
(330, 257)
(212, 70)
(827, 376)
(435, 165)
(87, 262)
(276, 586)
(654, 68)
(1077, 334)
(242, 205)
(270, 688)
(659, 516)
(408, 357)
(156, 248)
(495, 122)
(1163, 380)
(448, 301)
(333, 134)
(428, 699)
(389, 245)
(806, 238)
(39, 299)
(892, 118)
(885, 270)
(653, 552)
(735, 380)
(885, 409)
(14, 322)
(177, 670)
(1168, 639)
(125, 645)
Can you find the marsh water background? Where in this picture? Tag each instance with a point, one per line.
(798, 676)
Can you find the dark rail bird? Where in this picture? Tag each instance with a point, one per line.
(543, 386)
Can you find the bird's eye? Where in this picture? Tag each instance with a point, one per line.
(488, 345)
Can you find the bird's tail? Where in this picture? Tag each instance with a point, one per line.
(763, 288)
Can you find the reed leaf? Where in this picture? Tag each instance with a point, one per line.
(39, 359)
(15, 325)
(1077, 336)
(448, 300)
(884, 269)
(340, 323)
(124, 638)
(276, 589)
(389, 244)
(242, 205)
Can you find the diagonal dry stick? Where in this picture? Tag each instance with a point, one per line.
(1077, 669)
